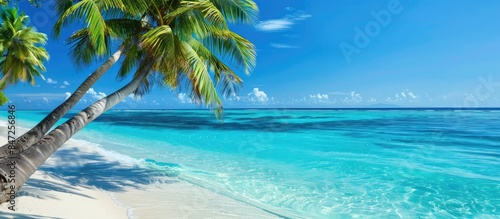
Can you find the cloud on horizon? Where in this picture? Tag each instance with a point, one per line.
(353, 98)
(233, 97)
(318, 96)
(258, 96)
(184, 98)
(96, 95)
(405, 96)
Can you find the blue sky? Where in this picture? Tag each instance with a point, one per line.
(326, 53)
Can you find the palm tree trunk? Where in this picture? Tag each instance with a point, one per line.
(36, 133)
(28, 161)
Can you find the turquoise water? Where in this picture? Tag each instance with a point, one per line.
(321, 163)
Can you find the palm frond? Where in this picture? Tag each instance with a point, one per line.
(133, 57)
(203, 88)
(238, 11)
(124, 28)
(158, 41)
(233, 47)
(90, 12)
(145, 85)
(81, 48)
(60, 6)
(224, 76)
(172, 67)
(209, 13)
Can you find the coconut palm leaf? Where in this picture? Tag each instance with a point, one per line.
(224, 75)
(21, 47)
(88, 11)
(238, 11)
(203, 88)
(233, 47)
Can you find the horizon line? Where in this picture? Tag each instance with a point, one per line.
(310, 108)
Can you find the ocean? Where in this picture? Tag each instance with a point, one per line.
(322, 163)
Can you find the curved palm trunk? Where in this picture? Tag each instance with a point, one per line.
(36, 133)
(28, 161)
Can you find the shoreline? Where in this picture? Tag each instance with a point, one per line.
(79, 177)
(48, 195)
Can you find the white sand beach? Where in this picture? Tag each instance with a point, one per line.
(79, 182)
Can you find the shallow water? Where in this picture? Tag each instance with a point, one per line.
(320, 163)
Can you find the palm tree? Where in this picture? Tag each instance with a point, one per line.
(186, 40)
(183, 43)
(21, 48)
(94, 40)
(84, 51)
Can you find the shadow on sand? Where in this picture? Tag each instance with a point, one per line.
(93, 170)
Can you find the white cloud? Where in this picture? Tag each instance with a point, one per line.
(62, 86)
(297, 15)
(45, 100)
(184, 98)
(300, 17)
(405, 96)
(96, 95)
(319, 96)
(66, 83)
(283, 46)
(233, 97)
(274, 25)
(50, 81)
(68, 94)
(353, 97)
(283, 23)
(412, 96)
(155, 103)
(134, 98)
(258, 96)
